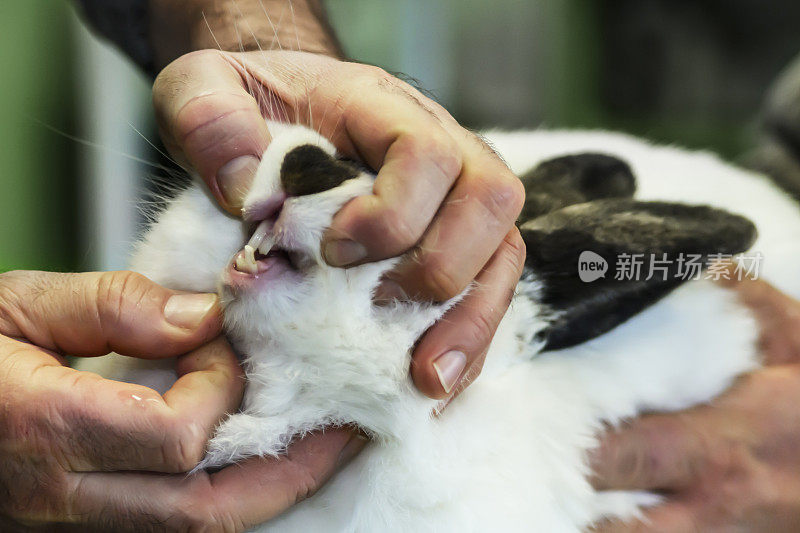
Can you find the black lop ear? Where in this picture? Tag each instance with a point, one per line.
(586, 294)
(308, 169)
(574, 179)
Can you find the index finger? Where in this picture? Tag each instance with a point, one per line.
(451, 353)
(398, 131)
(109, 425)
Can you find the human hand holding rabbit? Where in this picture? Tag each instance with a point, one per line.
(85, 452)
(730, 465)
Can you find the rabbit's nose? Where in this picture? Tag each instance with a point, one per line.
(308, 169)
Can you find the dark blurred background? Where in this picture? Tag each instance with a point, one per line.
(692, 73)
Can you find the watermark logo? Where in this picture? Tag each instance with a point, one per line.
(685, 267)
(591, 266)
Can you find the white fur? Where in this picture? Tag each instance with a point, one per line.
(508, 454)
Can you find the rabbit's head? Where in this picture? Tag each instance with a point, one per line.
(285, 307)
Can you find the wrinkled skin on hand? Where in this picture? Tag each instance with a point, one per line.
(443, 199)
(78, 452)
(733, 465)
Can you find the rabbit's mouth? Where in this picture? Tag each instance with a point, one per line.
(263, 258)
(254, 263)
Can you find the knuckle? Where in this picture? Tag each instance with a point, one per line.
(516, 194)
(444, 153)
(436, 149)
(188, 109)
(174, 77)
(438, 281)
(655, 448)
(306, 483)
(194, 518)
(633, 463)
(202, 519)
(116, 291)
(377, 73)
(482, 328)
(730, 458)
(214, 122)
(398, 234)
(502, 198)
(515, 252)
(373, 76)
(652, 455)
(184, 447)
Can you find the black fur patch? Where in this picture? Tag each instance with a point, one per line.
(611, 228)
(574, 179)
(308, 169)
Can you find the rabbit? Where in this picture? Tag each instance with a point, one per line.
(570, 357)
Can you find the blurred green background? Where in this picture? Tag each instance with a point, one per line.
(37, 168)
(686, 72)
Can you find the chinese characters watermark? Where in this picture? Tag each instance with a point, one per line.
(684, 267)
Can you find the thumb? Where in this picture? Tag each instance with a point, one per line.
(96, 313)
(209, 121)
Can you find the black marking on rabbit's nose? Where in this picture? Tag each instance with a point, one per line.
(308, 169)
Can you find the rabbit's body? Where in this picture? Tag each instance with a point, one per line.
(509, 453)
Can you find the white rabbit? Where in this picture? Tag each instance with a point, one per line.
(509, 453)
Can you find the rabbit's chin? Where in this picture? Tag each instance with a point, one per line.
(270, 288)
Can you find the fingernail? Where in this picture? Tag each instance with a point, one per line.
(351, 449)
(389, 291)
(343, 252)
(189, 310)
(449, 367)
(235, 177)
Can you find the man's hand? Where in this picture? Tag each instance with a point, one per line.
(442, 196)
(733, 465)
(89, 453)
